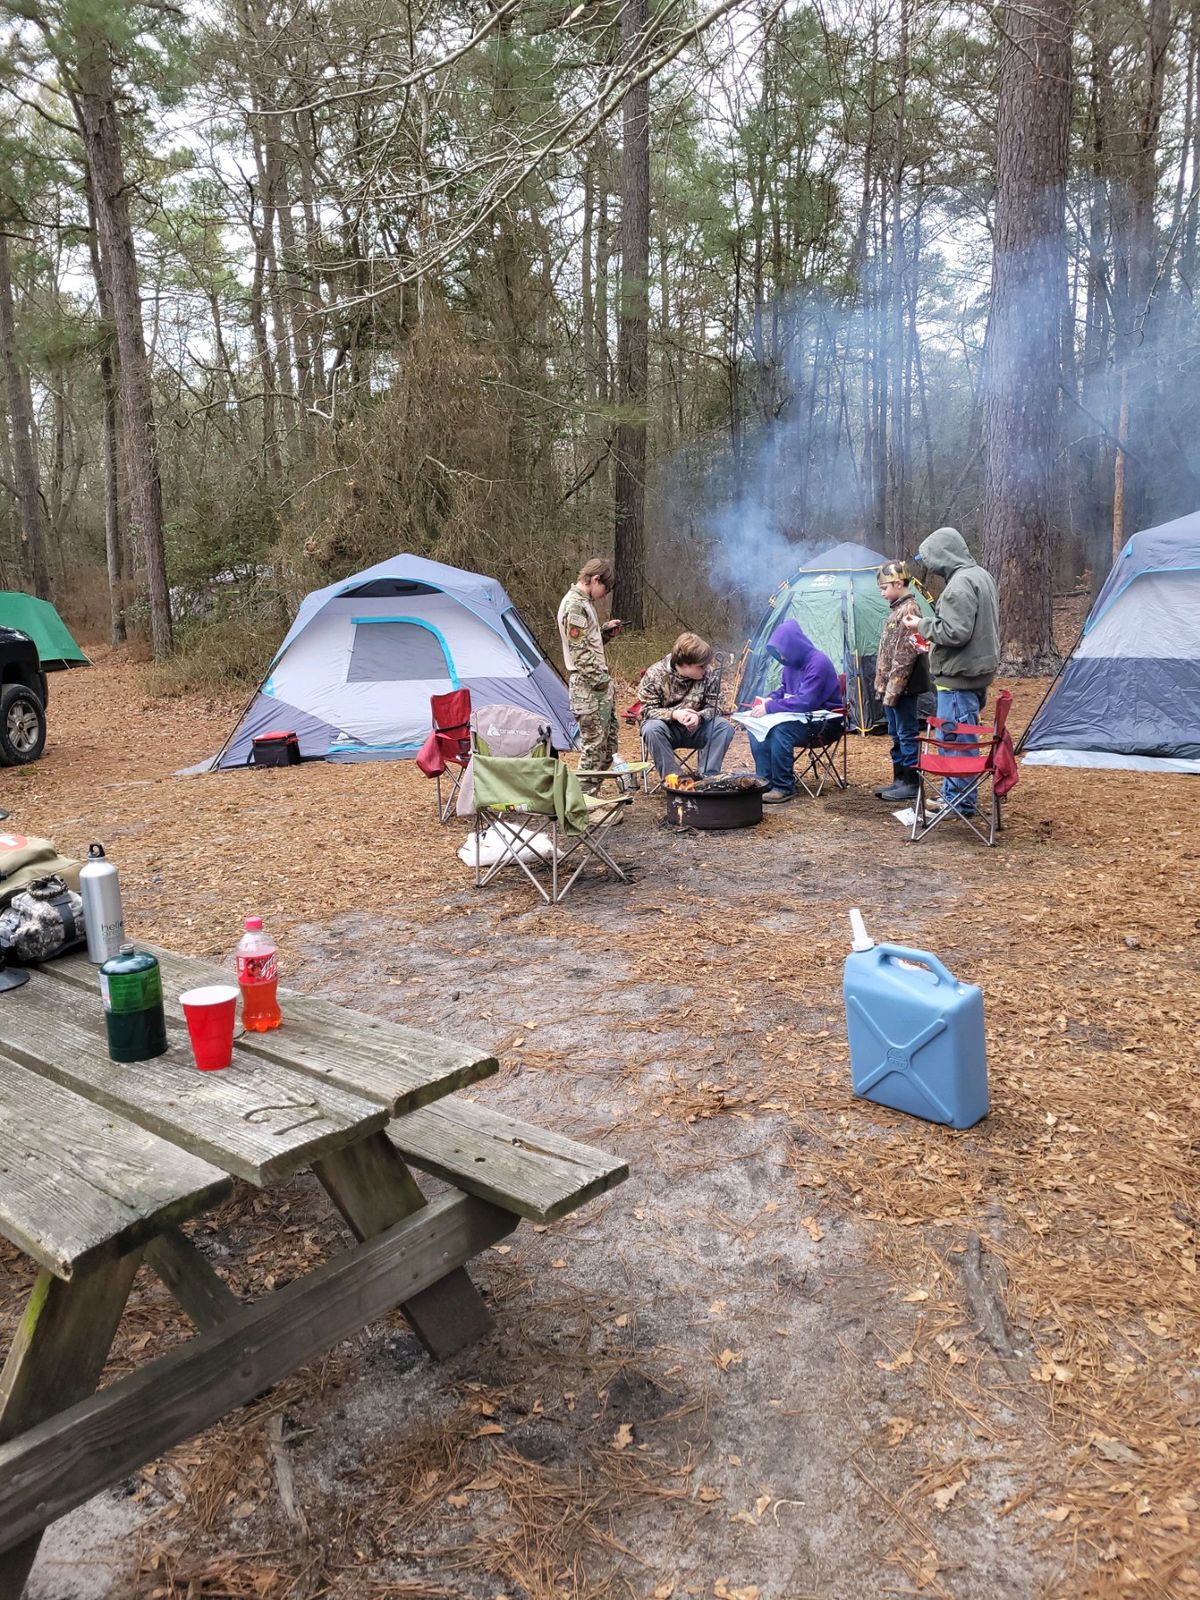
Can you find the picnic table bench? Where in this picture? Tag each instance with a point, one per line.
(101, 1163)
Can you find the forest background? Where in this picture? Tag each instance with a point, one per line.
(287, 286)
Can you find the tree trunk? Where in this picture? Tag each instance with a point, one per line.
(25, 461)
(629, 488)
(1024, 329)
(100, 129)
(114, 555)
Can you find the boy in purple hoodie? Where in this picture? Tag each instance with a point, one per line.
(809, 684)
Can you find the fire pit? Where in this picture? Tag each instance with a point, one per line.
(731, 801)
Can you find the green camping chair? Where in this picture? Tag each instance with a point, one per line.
(530, 806)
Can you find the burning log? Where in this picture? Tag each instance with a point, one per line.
(725, 783)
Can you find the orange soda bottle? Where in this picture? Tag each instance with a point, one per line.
(258, 975)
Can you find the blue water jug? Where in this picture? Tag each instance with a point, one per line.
(916, 1034)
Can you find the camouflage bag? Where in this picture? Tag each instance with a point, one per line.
(25, 859)
(42, 921)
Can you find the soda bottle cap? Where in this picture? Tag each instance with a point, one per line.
(253, 924)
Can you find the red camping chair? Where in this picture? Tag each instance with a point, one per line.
(825, 758)
(983, 762)
(448, 748)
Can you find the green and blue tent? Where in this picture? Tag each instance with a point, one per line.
(836, 600)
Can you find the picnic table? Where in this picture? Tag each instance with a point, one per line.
(102, 1163)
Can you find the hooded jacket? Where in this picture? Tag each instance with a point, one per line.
(809, 680)
(964, 630)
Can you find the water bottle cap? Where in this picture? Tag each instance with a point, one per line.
(96, 852)
(253, 924)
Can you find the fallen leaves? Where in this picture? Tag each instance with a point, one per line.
(897, 1429)
(729, 1358)
(813, 1229)
(623, 1438)
(904, 1359)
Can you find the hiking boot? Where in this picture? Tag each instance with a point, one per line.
(904, 788)
(778, 797)
(897, 773)
(759, 783)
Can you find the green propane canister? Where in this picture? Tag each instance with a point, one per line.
(131, 984)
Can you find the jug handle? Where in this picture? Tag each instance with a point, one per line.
(918, 958)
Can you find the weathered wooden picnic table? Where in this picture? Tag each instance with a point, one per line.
(101, 1163)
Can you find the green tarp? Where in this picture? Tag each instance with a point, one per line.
(45, 627)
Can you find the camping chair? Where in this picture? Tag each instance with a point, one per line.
(531, 806)
(825, 757)
(940, 754)
(448, 748)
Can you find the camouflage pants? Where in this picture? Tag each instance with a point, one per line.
(595, 710)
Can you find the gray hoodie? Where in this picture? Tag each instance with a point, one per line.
(965, 628)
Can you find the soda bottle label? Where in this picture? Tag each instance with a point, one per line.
(257, 969)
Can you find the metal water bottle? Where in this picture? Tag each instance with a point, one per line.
(103, 918)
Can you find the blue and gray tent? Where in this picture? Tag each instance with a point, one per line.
(1129, 693)
(355, 672)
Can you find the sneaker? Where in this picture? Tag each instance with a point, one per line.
(778, 797)
(759, 783)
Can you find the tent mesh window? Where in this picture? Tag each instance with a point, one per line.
(390, 652)
(525, 647)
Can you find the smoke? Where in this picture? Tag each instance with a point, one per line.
(801, 472)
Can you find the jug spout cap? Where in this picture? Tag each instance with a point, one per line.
(860, 939)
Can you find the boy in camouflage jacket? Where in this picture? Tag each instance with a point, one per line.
(680, 698)
(901, 678)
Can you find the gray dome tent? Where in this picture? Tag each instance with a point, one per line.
(1129, 694)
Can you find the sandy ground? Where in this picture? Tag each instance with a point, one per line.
(762, 1368)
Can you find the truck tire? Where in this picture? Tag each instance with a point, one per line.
(22, 726)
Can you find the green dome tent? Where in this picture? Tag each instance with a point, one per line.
(835, 599)
(45, 627)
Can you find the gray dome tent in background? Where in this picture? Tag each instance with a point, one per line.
(354, 674)
(1129, 693)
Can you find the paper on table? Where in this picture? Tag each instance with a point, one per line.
(761, 726)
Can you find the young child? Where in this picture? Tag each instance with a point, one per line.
(901, 677)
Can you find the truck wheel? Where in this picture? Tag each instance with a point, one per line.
(22, 726)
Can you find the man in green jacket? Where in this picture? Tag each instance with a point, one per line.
(964, 635)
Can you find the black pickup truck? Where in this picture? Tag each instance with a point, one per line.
(22, 699)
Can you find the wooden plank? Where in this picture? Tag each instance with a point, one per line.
(56, 1358)
(256, 1119)
(78, 1183)
(529, 1170)
(199, 1289)
(63, 1461)
(400, 1067)
(373, 1189)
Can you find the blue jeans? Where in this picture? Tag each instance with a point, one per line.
(663, 736)
(775, 756)
(902, 723)
(960, 705)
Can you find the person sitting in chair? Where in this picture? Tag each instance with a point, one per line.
(809, 684)
(680, 698)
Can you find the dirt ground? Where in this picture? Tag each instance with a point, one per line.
(811, 1347)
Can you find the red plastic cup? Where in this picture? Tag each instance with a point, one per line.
(209, 1013)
